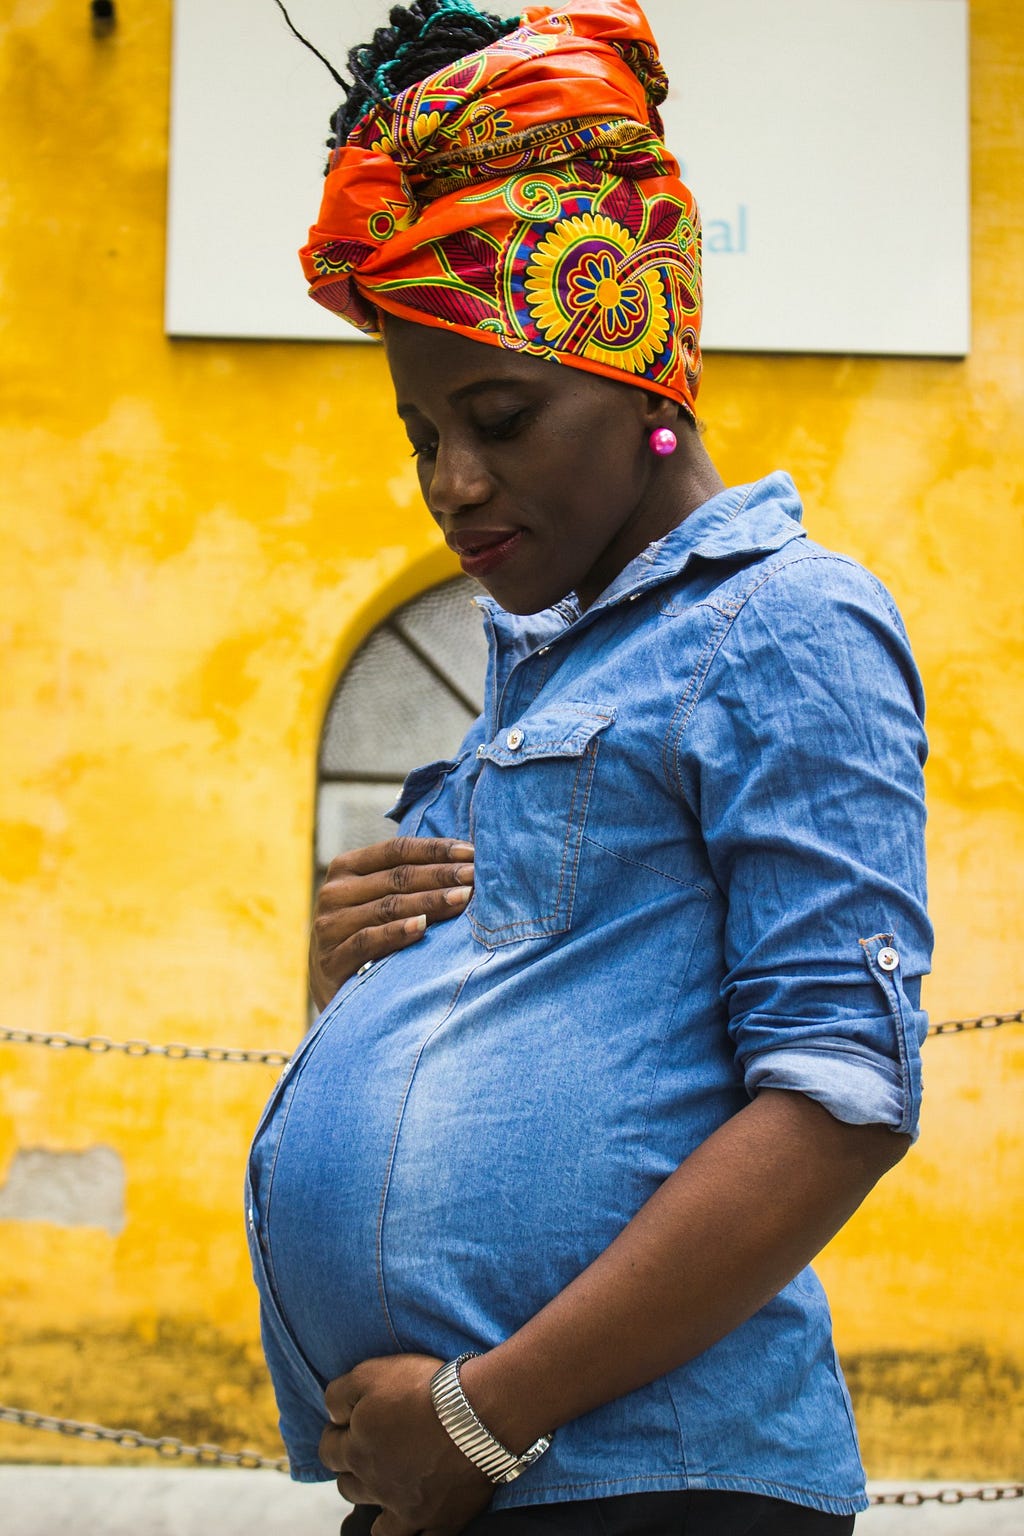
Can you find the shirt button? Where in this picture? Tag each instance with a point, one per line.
(252, 1219)
(481, 750)
(888, 959)
(367, 967)
(515, 739)
(543, 650)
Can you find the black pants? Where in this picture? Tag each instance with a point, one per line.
(695, 1513)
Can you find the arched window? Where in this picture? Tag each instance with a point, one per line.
(407, 697)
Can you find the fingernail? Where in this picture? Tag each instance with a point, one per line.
(460, 851)
(455, 895)
(464, 874)
(415, 924)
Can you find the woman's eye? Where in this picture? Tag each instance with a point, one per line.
(424, 450)
(507, 426)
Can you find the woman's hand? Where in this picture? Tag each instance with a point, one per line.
(387, 1445)
(379, 899)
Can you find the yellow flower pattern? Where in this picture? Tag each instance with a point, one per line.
(587, 278)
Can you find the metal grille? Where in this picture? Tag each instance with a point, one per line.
(408, 696)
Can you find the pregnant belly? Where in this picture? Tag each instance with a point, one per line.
(453, 1148)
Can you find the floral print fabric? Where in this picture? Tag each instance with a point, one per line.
(524, 196)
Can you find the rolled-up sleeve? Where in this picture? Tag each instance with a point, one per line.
(803, 758)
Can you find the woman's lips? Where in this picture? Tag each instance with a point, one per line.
(480, 553)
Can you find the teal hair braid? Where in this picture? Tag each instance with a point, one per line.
(422, 37)
(382, 76)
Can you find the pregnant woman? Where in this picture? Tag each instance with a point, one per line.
(625, 1023)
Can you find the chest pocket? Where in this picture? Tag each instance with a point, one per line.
(527, 818)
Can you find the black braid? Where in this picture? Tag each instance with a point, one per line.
(412, 54)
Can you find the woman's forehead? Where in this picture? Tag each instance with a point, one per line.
(431, 359)
(430, 363)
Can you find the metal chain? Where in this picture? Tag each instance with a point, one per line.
(987, 1495)
(99, 1045)
(133, 1440)
(214, 1456)
(985, 1021)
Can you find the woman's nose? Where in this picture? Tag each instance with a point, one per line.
(459, 479)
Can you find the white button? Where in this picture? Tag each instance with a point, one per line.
(252, 1219)
(481, 750)
(634, 596)
(514, 739)
(543, 650)
(888, 959)
(364, 968)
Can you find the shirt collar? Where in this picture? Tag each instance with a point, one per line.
(742, 520)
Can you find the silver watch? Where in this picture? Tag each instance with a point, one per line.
(473, 1439)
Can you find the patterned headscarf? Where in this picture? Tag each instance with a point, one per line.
(523, 196)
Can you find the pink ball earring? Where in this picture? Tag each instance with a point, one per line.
(663, 441)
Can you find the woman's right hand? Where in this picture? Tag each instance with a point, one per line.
(379, 899)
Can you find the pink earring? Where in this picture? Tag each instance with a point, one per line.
(663, 441)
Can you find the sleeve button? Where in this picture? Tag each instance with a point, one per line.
(888, 959)
(514, 739)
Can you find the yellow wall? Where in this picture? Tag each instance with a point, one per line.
(196, 535)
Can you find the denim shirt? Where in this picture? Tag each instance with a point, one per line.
(698, 817)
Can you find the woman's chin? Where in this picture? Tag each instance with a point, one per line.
(515, 600)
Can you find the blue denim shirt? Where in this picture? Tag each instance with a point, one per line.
(698, 817)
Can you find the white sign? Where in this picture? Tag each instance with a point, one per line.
(826, 141)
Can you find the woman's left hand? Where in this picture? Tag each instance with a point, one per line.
(387, 1445)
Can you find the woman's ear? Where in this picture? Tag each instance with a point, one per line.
(660, 411)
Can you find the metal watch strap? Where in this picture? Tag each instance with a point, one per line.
(472, 1437)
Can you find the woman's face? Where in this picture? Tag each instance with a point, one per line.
(539, 474)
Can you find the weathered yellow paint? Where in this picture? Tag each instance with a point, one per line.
(197, 535)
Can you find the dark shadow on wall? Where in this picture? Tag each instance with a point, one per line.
(921, 1415)
(938, 1415)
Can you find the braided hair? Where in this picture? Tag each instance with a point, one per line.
(422, 37)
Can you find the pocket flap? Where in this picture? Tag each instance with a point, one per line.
(419, 782)
(559, 730)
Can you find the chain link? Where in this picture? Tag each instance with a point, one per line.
(99, 1045)
(172, 1449)
(134, 1440)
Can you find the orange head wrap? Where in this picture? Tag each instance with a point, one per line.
(523, 196)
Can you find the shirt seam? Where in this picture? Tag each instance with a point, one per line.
(691, 695)
(841, 1504)
(686, 885)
